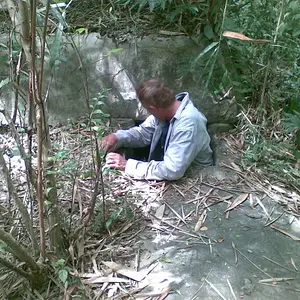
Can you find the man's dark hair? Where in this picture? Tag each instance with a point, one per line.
(154, 92)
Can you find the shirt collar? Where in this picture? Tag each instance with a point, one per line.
(184, 98)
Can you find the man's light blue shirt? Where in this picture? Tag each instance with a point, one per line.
(187, 142)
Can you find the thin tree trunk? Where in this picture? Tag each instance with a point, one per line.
(23, 211)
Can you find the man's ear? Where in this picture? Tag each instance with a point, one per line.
(153, 108)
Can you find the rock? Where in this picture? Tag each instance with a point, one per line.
(122, 123)
(248, 287)
(216, 128)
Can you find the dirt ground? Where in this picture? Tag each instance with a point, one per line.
(218, 233)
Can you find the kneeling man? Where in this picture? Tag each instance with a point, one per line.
(176, 132)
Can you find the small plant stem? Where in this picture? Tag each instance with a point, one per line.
(99, 174)
(39, 124)
(40, 87)
(263, 99)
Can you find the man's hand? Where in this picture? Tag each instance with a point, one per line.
(109, 143)
(116, 161)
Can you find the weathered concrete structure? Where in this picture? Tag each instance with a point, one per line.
(88, 64)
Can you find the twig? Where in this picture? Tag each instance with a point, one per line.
(276, 263)
(178, 190)
(231, 289)
(252, 262)
(195, 295)
(281, 287)
(175, 212)
(235, 254)
(215, 289)
(273, 221)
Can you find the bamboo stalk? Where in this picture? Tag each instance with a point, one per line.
(18, 250)
(14, 268)
(23, 211)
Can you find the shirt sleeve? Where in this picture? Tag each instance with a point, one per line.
(180, 153)
(138, 136)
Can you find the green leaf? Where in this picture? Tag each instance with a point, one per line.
(16, 152)
(152, 4)
(97, 129)
(296, 154)
(48, 203)
(87, 174)
(114, 215)
(294, 5)
(166, 259)
(4, 82)
(62, 154)
(208, 32)
(81, 30)
(51, 172)
(97, 121)
(3, 246)
(63, 275)
(59, 263)
(116, 50)
(296, 32)
(48, 190)
(97, 111)
(99, 102)
(297, 140)
(206, 50)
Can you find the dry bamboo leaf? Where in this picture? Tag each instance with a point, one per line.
(251, 201)
(101, 279)
(236, 167)
(278, 189)
(228, 212)
(166, 32)
(204, 228)
(293, 264)
(165, 294)
(113, 289)
(239, 200)
(275, 280)
(201, 220)
(137, 276)
(80, 247)
(235, 254)
(85, 275)
(68, 292)
(263, 207)
(240, 36)
(71, 251)
(295, 238)
(225, 198)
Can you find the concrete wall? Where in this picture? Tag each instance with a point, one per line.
(100, 66)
